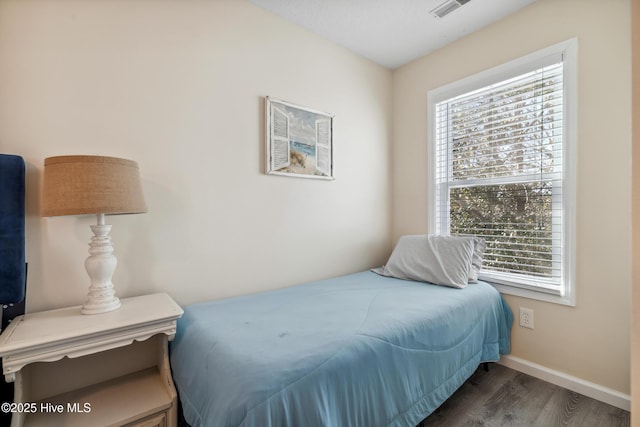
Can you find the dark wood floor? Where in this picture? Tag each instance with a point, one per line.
(504, 397)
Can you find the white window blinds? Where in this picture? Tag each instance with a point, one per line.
(499, 175)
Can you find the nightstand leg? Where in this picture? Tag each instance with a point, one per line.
(19, 392)
(165, 372)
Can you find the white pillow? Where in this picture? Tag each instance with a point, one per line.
(441, 260)
(476, 260)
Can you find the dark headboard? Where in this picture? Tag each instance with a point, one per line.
(13, 269)
(12, 229)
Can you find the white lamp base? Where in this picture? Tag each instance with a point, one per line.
(100, 266)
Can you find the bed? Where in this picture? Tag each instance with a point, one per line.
(357, 350)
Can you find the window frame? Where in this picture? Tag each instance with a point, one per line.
(568, 50)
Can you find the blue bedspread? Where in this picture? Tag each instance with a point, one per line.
(358, 350)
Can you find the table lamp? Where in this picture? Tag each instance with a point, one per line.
(80, 185)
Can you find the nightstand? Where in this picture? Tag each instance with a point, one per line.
(109, 369)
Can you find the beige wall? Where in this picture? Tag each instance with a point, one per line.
(178, 87)
(635, 340)
(589, 341)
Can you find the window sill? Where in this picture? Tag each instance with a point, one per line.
(568, 300)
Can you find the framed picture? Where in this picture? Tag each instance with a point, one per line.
(299, 141)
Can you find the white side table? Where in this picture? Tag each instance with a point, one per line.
(109, 369)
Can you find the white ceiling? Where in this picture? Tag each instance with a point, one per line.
(390, 32)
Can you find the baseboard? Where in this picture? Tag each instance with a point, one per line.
(595, 391)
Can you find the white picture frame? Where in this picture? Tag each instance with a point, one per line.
(299, 141)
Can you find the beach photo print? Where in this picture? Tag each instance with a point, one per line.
(299, 141)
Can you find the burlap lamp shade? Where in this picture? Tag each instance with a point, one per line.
(78, 185)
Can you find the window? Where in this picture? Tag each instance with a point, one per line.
(502, 168)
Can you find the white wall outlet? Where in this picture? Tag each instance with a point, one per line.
(526, 317)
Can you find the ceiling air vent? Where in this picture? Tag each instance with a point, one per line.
(447, 7)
